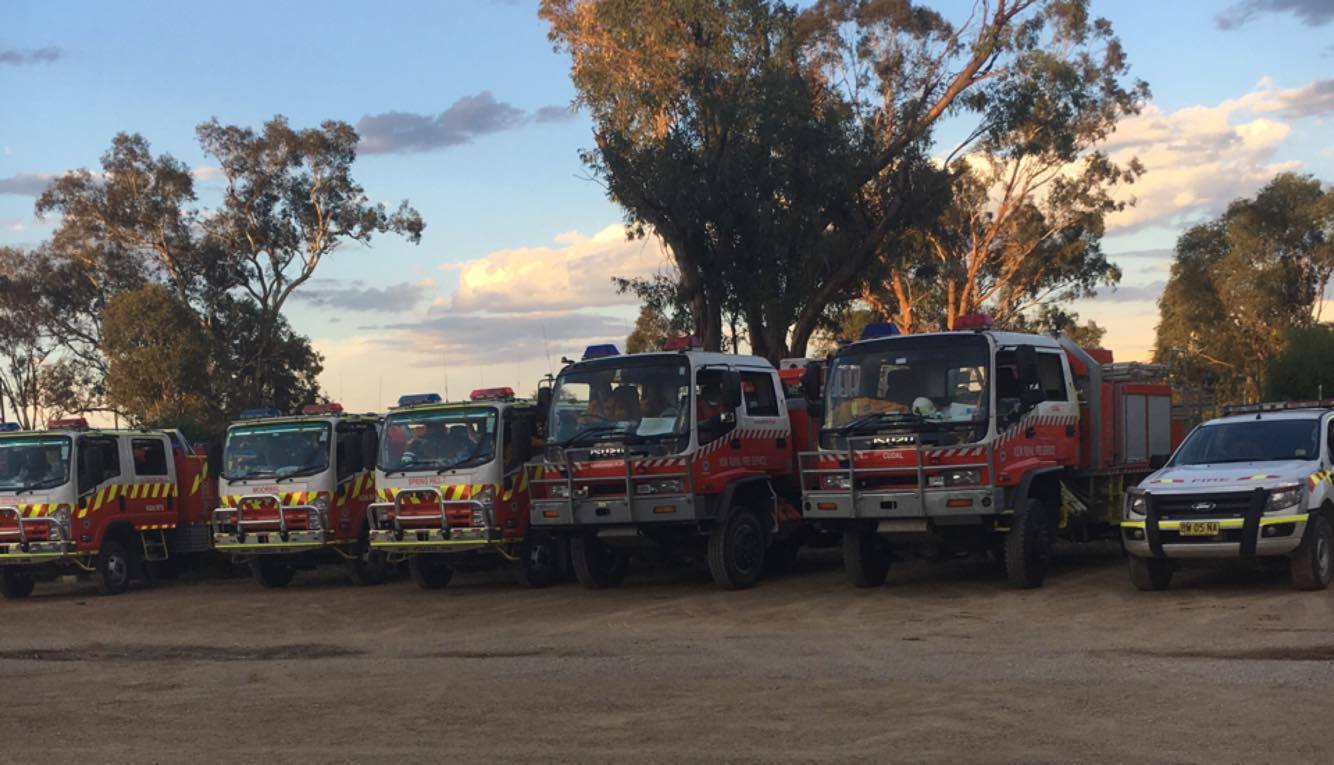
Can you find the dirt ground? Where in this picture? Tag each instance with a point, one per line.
(944, 662)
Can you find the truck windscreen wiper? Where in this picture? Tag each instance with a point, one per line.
(877, 417)
(591, 430)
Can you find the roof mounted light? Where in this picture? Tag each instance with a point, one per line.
(683, 343)
(9, 427)
(600, 351)
(492, 394)
(415, 399)
(67, 423)
(330, 408)
(262, 413)
(973, 321)
(883, 329)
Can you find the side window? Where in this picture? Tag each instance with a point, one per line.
(1329, 440)
(712, 413)
(518, 439)
(1052, 373)
(348, 451)
(758, 390)
(150, 457)
(99, 460)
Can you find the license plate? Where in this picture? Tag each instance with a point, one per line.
(1199, 528)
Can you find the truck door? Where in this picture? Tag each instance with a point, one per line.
(150, 490)
(98, 469)
(764, 423)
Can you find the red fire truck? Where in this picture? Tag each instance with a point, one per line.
(690, 451)
(111, 503)
(453, 491)
(978, 440)
(294, 492)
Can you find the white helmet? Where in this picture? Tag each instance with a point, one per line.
(923, 406)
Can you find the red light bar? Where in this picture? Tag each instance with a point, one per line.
(67, 423)
(502, 394)
(334, 408)
(973, 321)
(683, 343)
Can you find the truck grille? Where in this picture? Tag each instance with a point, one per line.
(1229, 505)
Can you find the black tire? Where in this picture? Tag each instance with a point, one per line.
(597, 565)
(368, 566)
(541, 561)
(866, 557)
(271, 573)
(430, 572)
(1028, 545)
(737, 549)
(1150, 574)
(16, 585)
(115, 566)
(1313, 563)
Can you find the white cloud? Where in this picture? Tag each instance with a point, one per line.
(575, 272)
(1200, 158)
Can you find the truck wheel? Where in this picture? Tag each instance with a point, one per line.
(597, 565)
(541, 562)
(429, 571)
(113, 566)
(736, 550)
(271, 573)
(1028, 546)
(1313, 562)
(16, 585)
(1150, 573)
(866, 557)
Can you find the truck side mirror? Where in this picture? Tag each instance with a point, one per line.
(543, 403)
(1030, 379)
(810, 383)
(1159, 461)
(732, 389)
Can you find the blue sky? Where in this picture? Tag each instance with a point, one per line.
(514, 263)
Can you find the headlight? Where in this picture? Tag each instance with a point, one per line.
(836, 482)
(315, 518)
(59, 523)
(672, 486)
(1285, 496)
(1135, 503)
(487, 499)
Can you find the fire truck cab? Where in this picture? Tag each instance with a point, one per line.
(453, 492)
(294, 493)
(682, 449)
(114, 504)
(977, 440)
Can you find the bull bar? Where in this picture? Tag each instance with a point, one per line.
(290, 540)
(923, 500)
(391, 535)
(630, 508)
(27, 551)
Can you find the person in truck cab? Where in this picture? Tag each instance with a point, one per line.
(37, 468)
(624, 404)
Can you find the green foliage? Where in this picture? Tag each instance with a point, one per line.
(651, 330)
(133, 234)
(158, 361)
(781, 153)
(1240, 284)
(1304, 369)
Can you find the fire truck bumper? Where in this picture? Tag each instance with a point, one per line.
(1274, 535)
(35, 553)
(614, 511)
(454, 540)
(940, 505)
(275, 543)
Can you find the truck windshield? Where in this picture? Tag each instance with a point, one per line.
(624, 400)
(921, 384)
(439, 439)
(276, 450)
(1251, 441)
(34, 462)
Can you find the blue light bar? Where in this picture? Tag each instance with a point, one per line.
(886, 329)
(6, 427)
(413, 399)
(260, 414)
(600, 351)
